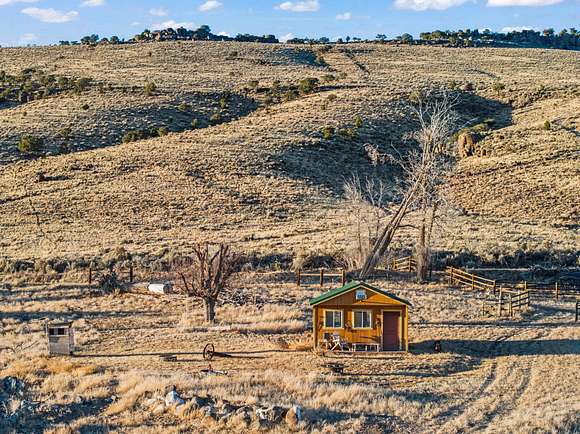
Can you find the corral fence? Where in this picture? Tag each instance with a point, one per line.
(408, 264)
(506, 303)
(463, 278)
(555, 290)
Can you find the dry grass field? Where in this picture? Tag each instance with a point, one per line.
(265, 179)
(243, 159)
(492, 376)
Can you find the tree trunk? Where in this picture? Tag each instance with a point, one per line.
(422, 253)
(423, 248)
(209, 304)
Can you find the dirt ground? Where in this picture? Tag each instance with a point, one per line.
(512, 375)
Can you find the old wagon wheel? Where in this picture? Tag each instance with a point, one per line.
(208, 352)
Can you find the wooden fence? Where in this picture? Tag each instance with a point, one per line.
(408, 263)
(506, 303)
(322, 274)
(556, 290)
(128, 272)
(463, 278)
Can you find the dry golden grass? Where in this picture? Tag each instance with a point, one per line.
(267, 181)
(492, 376)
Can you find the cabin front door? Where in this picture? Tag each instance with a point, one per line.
(391, 332)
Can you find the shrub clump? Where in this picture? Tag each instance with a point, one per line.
(30, 144)
(133, 136)
(328, 133)
(498, 87)
(183, 107)
(150, 88)
(162, 131)
(308, 85)
(547, 125)
(215, 119)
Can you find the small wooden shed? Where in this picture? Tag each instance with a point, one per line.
(61, 339)
(359, 316)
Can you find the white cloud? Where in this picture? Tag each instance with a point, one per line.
(299, 6)
(50, 15)
(287, 37)
(27, 38)
(93, 3)
(210, 5)
(135, 23)
(516, 29)
(500, 3)
(10, 2)
(158, 12)
(224, 34)
(344, 17)
(423, 5)
(173, 24)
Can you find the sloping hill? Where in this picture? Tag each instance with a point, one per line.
(266, 179)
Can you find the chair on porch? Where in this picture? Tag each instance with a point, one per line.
(338, 343)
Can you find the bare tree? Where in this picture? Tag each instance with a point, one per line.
(367, 211)
(207, 274)
(424, 169)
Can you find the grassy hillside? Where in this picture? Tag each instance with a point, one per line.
(261, 174)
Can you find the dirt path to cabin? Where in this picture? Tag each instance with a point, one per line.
(527, 364)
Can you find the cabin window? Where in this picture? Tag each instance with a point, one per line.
(362, 319)
(333, 319)
(361, 294)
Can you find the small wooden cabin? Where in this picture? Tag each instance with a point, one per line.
(362, 317)
(61, 339)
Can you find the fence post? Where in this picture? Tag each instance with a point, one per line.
(557, 291)
(410, 264)
(525, 285)
(494, 287)
(131, 272)
(499, 303)
(322, 277)
(528, 298)
(343, 277)
(511, 307)
(450, 270)
(577, 308)
(298, 277)
(473, 282)
(90, 275)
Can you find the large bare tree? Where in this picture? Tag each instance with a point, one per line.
(206, 274)
(424, 169)
(367, 201)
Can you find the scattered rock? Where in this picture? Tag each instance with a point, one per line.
(293, 416)
(160, 409)
(173, 399)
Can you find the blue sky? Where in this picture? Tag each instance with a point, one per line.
(25, 22)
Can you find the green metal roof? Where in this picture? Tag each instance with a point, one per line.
(350, 286)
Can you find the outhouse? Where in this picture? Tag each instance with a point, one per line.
(360, 317)
(61, 339)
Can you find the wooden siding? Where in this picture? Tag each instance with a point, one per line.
(347, 303)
